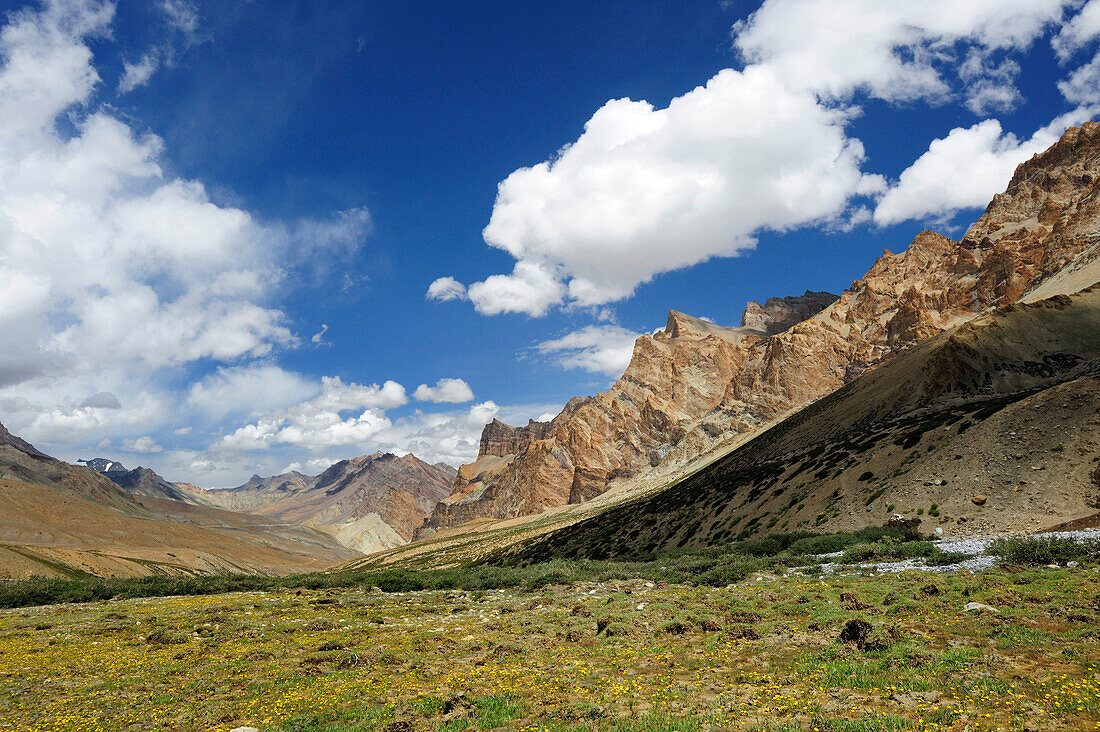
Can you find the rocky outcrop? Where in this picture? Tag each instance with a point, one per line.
(696, 384)
(780, 313)
(500, 439)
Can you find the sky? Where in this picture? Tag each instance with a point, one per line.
(246, 237)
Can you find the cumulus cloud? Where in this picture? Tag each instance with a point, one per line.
(963, 170)
(452, 391)
(320, 422)
(144, 444)
(646, 190)
(446, 288)
(601, 349)
(318, 338)
(893, 51)
(118, 278)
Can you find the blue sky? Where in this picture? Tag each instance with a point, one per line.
(229, 226)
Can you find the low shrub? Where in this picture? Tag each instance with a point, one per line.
(1040, 550)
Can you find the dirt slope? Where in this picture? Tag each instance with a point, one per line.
(60, 520)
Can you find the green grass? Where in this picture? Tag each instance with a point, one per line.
(714, 566)
(760, 655)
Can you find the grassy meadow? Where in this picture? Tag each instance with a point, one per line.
(769, 652)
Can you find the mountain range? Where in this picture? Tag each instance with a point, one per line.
(954, 383)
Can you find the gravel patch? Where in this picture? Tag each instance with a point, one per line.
(975, 546)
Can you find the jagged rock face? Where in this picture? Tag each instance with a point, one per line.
(500, 439)
(696, 384)
(780, 313)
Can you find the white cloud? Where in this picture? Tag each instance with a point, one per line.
(319, 423)
(601, 349)
(446, 288)
(249, 389)
(183, 15)
(138, 74)
(647, 190)
(895, 51)
(1082, 29)
(530, 289)
(989, 87)
(119, 278)
(453, 391)
(143, 445)
(963, 170)
(318, 338)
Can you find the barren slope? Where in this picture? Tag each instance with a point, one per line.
(996, 423)
(60, 519)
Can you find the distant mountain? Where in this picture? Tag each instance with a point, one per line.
(103, 465)
(140, 481)
(258, 491)
(68, 520)
(368, 503)
(990, 427)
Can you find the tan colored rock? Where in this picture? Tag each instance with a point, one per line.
(696, 385)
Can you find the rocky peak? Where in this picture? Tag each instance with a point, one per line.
(500, 439)
(780, 313)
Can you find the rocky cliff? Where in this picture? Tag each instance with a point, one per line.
(696, 384)
(780, 313)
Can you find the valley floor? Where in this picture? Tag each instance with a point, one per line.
(629, 655)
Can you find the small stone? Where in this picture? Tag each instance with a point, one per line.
(971, 607)
(245, 729)
(1053, 565)
(979, 500)
(1072, 565)
(641, 606)
(937, 532)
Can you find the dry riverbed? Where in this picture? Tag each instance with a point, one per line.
(764, 654)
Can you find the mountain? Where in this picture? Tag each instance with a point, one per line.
(68, 520)
(367, 503)
(103, 465)
(994, 425)
(257, 491)
(696, 387)
(140, 481)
